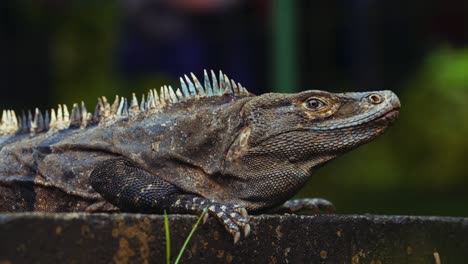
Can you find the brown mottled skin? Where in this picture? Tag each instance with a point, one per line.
(230, 154)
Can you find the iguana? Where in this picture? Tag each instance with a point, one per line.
(213, 146)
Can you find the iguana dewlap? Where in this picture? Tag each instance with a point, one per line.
(214, 146)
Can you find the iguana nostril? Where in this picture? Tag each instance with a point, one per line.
(375, 98)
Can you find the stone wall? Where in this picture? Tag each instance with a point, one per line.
(137, 238)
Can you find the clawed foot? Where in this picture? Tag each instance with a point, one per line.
(315, 205)
(232, 216)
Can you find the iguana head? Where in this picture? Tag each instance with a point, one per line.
(312, 125)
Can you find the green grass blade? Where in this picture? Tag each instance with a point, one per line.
(168, 238)
(189, 236)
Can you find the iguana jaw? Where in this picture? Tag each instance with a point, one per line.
(391, 116)
(385, 119)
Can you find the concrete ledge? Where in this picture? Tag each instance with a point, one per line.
(136, 238)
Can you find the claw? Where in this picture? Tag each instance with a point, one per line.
(243, 212)
(237, 236)
(246, 230)
(313, 208)
(205, 217)
(330, 210)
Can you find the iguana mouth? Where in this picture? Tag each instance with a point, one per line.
(389, 116)
(392, 114)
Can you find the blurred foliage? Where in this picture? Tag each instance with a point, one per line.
(436, 121)
(419, 166)
(84, 45)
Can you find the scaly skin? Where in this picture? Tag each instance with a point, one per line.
(231, 153)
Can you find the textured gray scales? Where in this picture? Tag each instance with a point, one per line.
(212, 145)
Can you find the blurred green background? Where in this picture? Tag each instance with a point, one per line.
(66, 51)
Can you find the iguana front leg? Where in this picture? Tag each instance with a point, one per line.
(132, 189)
(315, 205)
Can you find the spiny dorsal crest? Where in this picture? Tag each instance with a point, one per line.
(106, 113)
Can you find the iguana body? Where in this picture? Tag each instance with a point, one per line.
(214, 146)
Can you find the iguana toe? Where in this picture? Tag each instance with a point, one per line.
(232, 217)
(315, 205)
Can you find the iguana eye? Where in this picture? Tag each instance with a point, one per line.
(314, 103)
